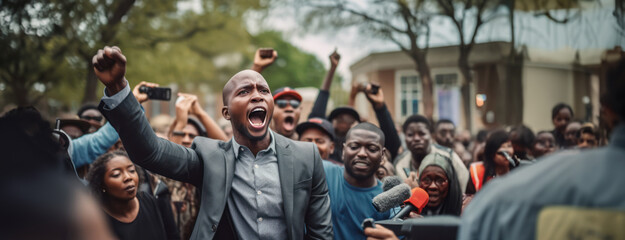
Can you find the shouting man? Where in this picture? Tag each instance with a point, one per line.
(258, 185)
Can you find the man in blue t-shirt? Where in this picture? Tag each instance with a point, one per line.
(353, 186)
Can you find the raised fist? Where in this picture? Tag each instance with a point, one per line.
(109, 65)
(261, 63)
(334, 58)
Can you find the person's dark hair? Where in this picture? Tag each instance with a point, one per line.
(493, 143)
(556, 109)
(369, 127)
(198, 126)
(481, 136)
(87, 106)
(417, 119)
(95, 177)
(526, 136)
(588, 130)
(441, 121)
(543, 131)
(28, 143)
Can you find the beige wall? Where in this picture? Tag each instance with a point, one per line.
(542, 89)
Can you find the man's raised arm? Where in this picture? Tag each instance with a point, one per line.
(123, 111)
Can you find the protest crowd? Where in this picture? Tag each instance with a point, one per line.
(271, 172)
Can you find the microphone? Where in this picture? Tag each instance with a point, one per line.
(416, 202)
(513, 163)
(391, 198)
(390, 182)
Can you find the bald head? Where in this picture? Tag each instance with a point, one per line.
(237, 78)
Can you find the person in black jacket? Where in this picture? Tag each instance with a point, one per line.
(348, 116)
(131, 214)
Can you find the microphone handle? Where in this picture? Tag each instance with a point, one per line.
(405, 211)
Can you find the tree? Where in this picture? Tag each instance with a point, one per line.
(463, 13)
(405, 23)
(33, 50)
(47, 46)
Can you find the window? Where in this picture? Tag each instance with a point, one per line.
(410, 95)
(447, 95)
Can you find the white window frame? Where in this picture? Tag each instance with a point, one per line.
(398, 88)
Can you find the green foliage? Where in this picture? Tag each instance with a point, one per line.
(293, 67)
(51, 43)
(47, 47)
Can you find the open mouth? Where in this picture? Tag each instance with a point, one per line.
(257, 117)
(289, 123)
(361, 165)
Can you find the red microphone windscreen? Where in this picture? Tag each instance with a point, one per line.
(419, 198)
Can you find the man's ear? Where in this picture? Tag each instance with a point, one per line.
(331, 146)
(225, 113)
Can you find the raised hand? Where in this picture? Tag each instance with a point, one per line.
(142, 97)
(334, 58)
(412, 180)
(261, 63)
(109, 65)
(184, 104)
(377, 100)
(196, 108)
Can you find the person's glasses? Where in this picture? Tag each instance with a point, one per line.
(283, 102)
(183, 134)
(427, 181)
(97, 119)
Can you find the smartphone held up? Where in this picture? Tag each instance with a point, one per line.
(266, 52)
(156, 93)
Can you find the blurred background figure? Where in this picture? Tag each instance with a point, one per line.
(587, 137)
(522, 139)
(90, 113)
(544, 144)
(386, 167)
(444, 133)
(40, 197)
(495, 164)
(561, 115)
(570, 134)
(320, 132)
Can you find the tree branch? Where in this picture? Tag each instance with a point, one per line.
(370, 18)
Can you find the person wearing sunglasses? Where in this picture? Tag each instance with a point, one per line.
(90, 113)
(287, 112)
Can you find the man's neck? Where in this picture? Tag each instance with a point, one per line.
(254, 146)
(361, 183)
(418, 157)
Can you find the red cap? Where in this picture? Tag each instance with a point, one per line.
(419, 199)
(286, 91)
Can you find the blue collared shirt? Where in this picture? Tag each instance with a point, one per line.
(255, 201)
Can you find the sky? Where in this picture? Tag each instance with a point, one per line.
(594, 28)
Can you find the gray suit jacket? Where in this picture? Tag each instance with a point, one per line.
(209, 165)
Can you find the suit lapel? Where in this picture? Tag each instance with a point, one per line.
(229, 162)
(285, 168)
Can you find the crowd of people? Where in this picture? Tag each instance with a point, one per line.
(266, 173)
